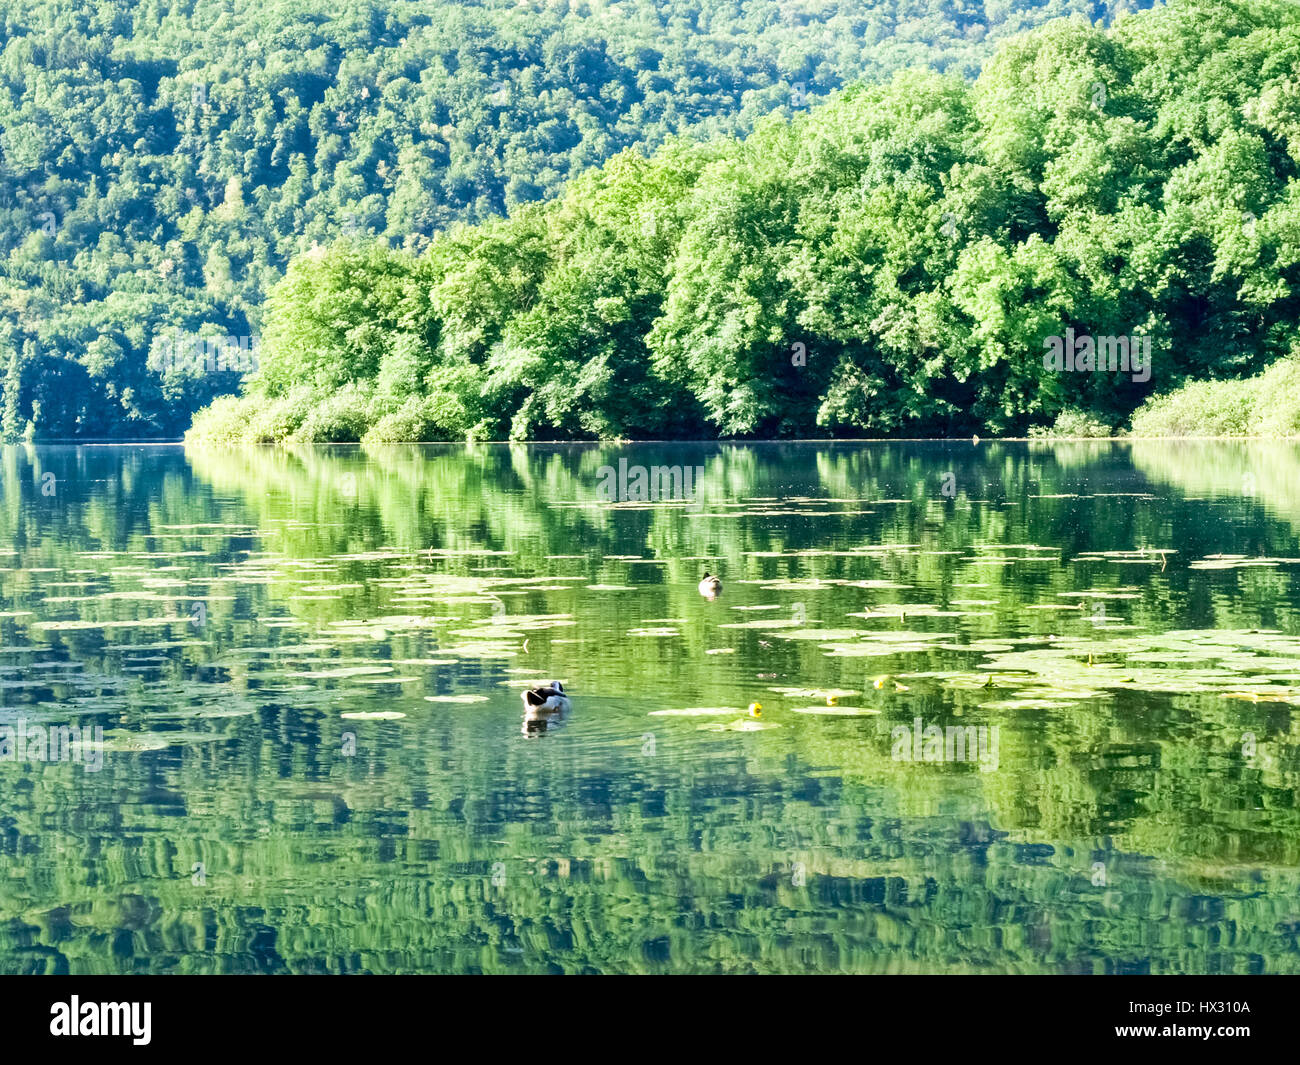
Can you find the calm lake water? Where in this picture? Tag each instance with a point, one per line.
(1025, 708)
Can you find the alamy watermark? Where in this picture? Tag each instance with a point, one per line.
(22, 742)
(636, 484)
(77, 1018)
(196, 354)
(956, 743)
(1086, 354)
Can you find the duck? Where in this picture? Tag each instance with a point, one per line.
(710, 586)
(547, 699)
(545, 708)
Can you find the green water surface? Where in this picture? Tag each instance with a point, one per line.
(1123, 618)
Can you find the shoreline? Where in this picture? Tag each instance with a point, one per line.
(973, 441)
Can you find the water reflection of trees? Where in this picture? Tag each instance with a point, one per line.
(685, 860)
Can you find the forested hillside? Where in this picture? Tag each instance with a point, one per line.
(896, 260)
(161, 162)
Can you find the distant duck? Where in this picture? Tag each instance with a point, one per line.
(550, 699)
(710, 587)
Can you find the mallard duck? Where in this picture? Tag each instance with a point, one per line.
(710, 587)
(549, 699)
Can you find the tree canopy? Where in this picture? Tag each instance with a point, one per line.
(161, 161)
(893, 260)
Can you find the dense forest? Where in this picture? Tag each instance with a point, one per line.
(161, 162)
(899, 259)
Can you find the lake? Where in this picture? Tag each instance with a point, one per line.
(1025, 707)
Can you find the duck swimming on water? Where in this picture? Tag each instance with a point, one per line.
(710, 587)
(544, 707)
(550, 697)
